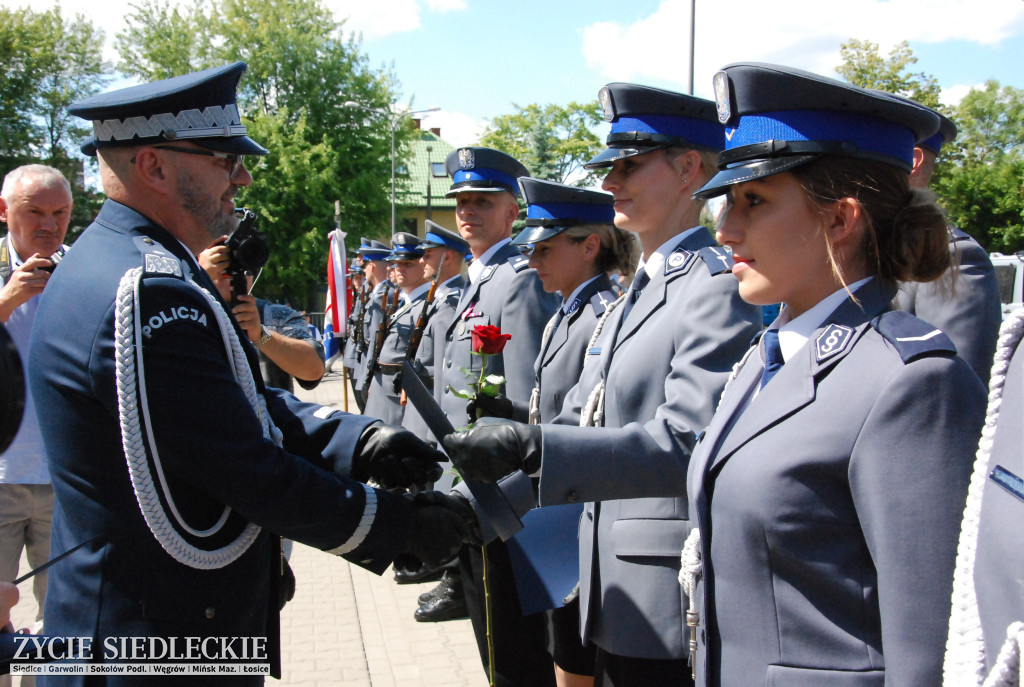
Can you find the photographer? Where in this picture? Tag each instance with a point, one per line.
(36, 205)
(287, 348)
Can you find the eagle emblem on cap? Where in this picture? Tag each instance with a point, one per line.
(466, 158)
(721, 83)
(605, 97)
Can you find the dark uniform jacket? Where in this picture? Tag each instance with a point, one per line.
(829, 508)
(210, 444)
(664, 367)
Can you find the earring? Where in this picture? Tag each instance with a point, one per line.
(685, 181)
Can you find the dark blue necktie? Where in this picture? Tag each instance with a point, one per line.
(639, 282)
(773, 361)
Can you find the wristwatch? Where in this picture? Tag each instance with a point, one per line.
(258, 343)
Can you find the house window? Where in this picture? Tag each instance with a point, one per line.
(437, 169)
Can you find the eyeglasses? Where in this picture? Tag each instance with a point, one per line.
(235, 162)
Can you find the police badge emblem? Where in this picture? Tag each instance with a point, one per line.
(466, 158)
(721, 84)
(832, 342)
(607, 105)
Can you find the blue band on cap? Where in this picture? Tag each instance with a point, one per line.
(697, 131)
(933, 143)
(484, 174)
(571, 212)
(868, 133)
(375, 255)
(437, 240)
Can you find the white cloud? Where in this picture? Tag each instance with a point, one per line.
(954, 94)
(799, 33)
(456, 128)
(376, 18)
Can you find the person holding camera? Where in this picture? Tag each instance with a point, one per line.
(287, 347)
(36, 205)
(174, 467)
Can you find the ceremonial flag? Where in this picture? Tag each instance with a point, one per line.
(337, 296)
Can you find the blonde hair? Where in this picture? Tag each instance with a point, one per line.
(619, 251)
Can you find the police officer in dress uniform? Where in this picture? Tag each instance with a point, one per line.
(354, 325)
(824, 487)
(182, 540)
(650, 386)
(965, 302)
(375, 266)
(502, 292)
(383, 400)
(986, 628)
(444, 255)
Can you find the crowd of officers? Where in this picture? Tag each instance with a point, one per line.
(744, 503)
(600, 411)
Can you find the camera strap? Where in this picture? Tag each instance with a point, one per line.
(5, 261)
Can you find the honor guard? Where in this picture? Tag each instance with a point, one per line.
(964, 302)
(375, 266)
(166, 450)
(502, 292)
(383, 400)
(824, 486)
(649, 386)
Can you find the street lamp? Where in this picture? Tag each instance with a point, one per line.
(430, 173)
(393, 119)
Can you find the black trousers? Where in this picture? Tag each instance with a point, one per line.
(611, 670)
(520, 642)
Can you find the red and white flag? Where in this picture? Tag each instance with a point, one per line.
(336, 312)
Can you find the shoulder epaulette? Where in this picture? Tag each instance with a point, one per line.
(717, 259)
(519, 262)
(912, 337)
(157, 260)
(600, 301)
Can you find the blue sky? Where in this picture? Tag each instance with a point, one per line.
(475, 58)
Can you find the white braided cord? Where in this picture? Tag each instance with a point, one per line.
(965, 646)
(534, 406)
(593, 411)
(690, 566)
(132, 397)
(1008, 671)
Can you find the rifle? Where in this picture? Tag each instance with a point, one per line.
(382, 333)
(358, 335)
(417, 333)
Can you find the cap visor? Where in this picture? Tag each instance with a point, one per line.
(749, 171)
(536, 235)
(477, 189)
(240, 145)
(609, 155)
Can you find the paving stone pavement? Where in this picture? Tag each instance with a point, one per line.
(348, 627)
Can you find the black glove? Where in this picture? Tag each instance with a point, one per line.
(443, 524)
(394, 458)
(490, 406)
(495, 447)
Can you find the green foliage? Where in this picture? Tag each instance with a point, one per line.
(553, 141)
(49, 63)
(982, 177)
(300, 73)
(864, 66)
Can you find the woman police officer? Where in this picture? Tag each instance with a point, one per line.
(829, 484)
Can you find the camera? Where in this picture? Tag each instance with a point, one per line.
(54, 261)
(12, 391)
(247, 245)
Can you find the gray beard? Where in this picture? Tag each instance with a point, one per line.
(204, 209)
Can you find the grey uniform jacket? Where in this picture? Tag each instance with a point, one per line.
(430, 353)
(508, 295)
(829, 508)
(664, 368)
(383, 402)
(355, 324)
(371, 323)
(964, 303)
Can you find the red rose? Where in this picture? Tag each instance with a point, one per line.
(488, 339)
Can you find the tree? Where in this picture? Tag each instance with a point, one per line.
(300, 74)
(981, 180)
(863, 66)
(553, 141)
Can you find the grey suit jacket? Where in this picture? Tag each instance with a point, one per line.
(371, 321)
(999, 562)
(507, 295)
(664, 367)
(430, 354)
(829, 507)
(964, 303)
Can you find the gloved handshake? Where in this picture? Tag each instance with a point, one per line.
(494, 448)
(394, 458)
(443, 524)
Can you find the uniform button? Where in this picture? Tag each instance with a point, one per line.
(446, 390)
(448, 364)
(572, 497)
(590, 515)
(210, 612)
